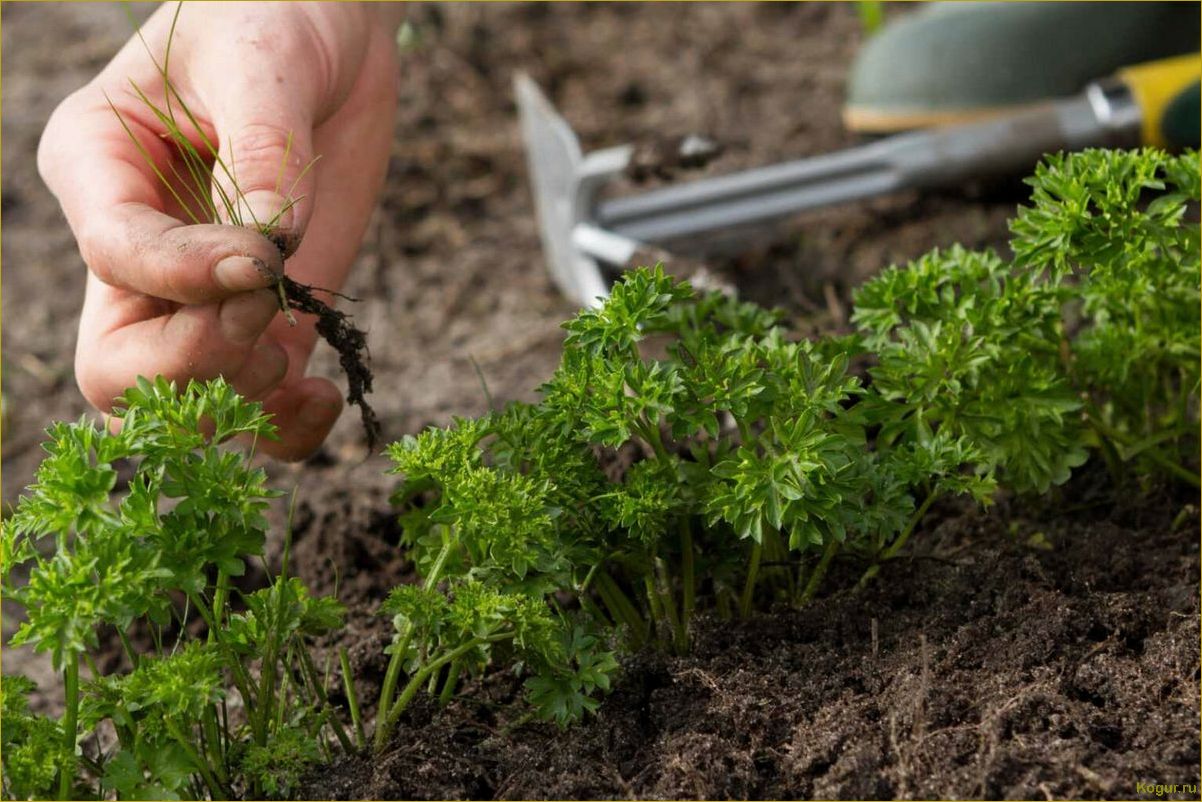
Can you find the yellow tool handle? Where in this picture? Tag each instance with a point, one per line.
(1155, 85)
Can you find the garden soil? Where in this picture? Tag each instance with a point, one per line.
(1038, 650)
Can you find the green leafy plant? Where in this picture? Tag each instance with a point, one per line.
(1114, 228)
(688, 453)
(145, 565)
(488, 545)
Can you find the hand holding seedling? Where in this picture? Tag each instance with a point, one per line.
(171, 292)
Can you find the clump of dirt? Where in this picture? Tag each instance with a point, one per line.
(335, 328)
(1042, 649)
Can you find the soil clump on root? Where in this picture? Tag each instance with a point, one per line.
(336, 328)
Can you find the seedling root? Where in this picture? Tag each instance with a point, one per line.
(336, 328)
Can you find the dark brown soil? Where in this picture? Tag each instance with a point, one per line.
(1040, 650)
(338, 330)
(997, 668)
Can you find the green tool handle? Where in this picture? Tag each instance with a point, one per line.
(1162, 90)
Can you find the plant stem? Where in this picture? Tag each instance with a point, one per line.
(722, 597)
(753, 569)
(663, 587)
(432, 685)
(309, 668)
(819, 571)
(423, 674)
(216, 744)
(129, 648)
(352, 698)
(448, 686)
(590, 607)
(384, 723)
(688, 581)
(70, 724)
(219, 596)
(1160, 459)
(897, 545)
(657, 614)
(621, 606)
(1174, 468)
(216, 791)
(650, 433)
(775, 552)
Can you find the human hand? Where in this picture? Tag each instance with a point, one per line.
(275, 85)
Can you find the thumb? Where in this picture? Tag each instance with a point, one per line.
(265, 178)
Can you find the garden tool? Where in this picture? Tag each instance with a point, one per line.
(582, 231)
(945, 63)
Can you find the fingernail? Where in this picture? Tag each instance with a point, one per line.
(241, 273)
(268, 211)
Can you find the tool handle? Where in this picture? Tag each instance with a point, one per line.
(1160, 90)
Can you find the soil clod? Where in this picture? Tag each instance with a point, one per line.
(335, 328)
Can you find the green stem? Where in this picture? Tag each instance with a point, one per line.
(749, 586)
(220, 594)
(688, 581)
(129, 648)
(246, 687)
(595, 612)
(423, 674)
(216, 791)
(70, 725)
(215, 743)
(657, 614)
(722, 597)
(448, 686)
(1169, 465)
(819, 571)
(1174, 468)
(650, 433)
(781, 578)
(432, 685)
(319, 691)
(267, 691)
(352, 698)
(663, 586)
(897, 545)
(621, 606)
(384, 725)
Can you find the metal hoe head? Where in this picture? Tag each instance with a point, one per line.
(565, 185)
(580, 232)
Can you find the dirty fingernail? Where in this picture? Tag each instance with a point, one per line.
(240, 273)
